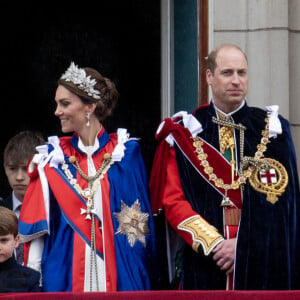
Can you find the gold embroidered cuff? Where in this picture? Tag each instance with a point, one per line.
(202, 232)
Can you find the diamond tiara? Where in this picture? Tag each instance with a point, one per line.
(85, 83)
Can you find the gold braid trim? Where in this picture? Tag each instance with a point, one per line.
(202, 232)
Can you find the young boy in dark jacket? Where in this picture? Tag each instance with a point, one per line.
(14, 278)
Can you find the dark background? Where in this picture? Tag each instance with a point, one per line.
(119, 38)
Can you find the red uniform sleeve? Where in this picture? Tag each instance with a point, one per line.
(177, 208)
(181, 216)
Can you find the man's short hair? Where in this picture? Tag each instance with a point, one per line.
(211, 60)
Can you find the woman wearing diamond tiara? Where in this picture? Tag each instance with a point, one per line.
(85, 217)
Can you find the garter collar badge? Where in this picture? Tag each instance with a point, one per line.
(265, 175)
(133, 223)
(271, 181)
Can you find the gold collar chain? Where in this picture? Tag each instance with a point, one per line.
(88, 193)
(93, 181)
(249, 164)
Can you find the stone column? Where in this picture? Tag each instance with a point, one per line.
(294, 63)
(268, 31)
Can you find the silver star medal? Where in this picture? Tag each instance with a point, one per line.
(133, 223)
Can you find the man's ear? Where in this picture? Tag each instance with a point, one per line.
(209, 76)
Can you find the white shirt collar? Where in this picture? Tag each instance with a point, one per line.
(89, 150)
(16, 204)
(231, 113)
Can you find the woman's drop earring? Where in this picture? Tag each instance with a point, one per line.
(87, 115)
